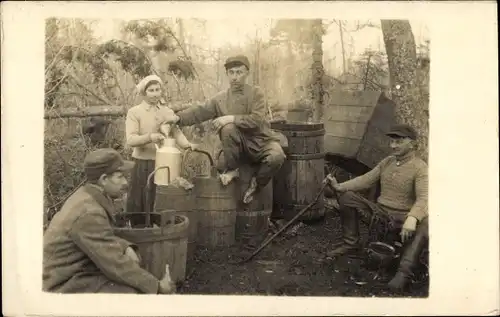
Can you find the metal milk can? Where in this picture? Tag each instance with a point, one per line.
(167, 155)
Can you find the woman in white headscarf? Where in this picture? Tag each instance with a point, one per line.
(143, 129)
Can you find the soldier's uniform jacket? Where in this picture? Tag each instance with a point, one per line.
(82, 253)
(248, 107)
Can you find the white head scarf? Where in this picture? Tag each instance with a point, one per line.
(142, 84)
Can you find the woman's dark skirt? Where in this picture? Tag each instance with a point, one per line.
(141, 198)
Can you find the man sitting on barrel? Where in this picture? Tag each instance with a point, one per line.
(403, 198)
(238, 114)
(81, 253)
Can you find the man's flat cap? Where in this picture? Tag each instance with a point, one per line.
(404, 131)
(237, 61)
(104, 161)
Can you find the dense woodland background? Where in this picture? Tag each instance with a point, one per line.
(87, 78)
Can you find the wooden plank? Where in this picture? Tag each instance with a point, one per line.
(354, 98)
(348, 113)
(341, 146)
(345, 129)
(371, 155)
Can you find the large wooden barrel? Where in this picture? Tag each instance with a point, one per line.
(300, 178)
(159, 245)
(181, 201)
(252, 220)
(298, 115)
(216, 205)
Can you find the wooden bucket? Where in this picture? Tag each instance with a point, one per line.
(300, 178)
(216, 205)
(158, 246)
(181, 201)
(252, 220)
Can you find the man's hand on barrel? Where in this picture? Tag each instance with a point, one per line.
(131, 254)
(408, 229)
(193, 146)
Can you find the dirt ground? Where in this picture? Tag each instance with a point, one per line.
(293, 264)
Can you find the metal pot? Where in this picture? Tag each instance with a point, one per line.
(381, 253)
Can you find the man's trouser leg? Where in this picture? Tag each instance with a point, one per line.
(233, 146)
(116, 288)
(350, 204)
(411, 255)
(269, 157)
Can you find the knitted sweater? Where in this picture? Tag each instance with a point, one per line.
(144, 119)
(404, 184)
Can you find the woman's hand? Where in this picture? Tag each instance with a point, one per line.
(156, 137)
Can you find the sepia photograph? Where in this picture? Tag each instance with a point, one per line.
(253, 158)
(280, 157)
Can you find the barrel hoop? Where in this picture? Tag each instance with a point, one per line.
(263, 212)
(153, 235)
(305, 157)
(215, 196)
(300, 206)
(218, 210)
(297, 126)
(304, 133)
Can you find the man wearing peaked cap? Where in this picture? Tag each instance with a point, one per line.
(403, 182)
(81, 253)
(403, 131)
(239, 115)
(236, 61)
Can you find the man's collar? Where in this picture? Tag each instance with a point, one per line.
(97, 192)
(405, 158)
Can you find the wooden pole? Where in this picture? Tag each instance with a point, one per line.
(98, 111)
(92, 111)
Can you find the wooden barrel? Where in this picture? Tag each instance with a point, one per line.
(252, 220)
(298, 115)
(160, 245)
(181, 201)
(300, 178)
(216, 205)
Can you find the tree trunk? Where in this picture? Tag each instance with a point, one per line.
(256, 72)
(405, 91)
(317, 68)
(341, 29)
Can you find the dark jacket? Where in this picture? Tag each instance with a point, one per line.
(81, 252)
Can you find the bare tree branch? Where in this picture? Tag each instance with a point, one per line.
(79, 84)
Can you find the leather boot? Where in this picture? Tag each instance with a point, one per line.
(410, 258)
(349, 219)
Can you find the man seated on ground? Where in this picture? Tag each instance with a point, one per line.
(239, 116)
(81, 253)
(403, 197)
